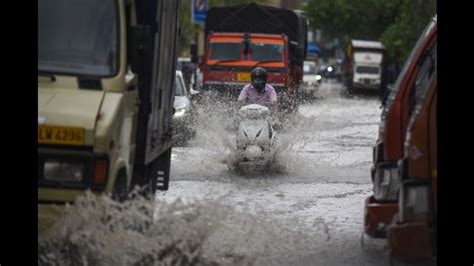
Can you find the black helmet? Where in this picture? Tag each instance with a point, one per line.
(259, 78)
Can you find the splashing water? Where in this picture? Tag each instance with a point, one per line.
(99, 231)
(217, 125)
(212, 231)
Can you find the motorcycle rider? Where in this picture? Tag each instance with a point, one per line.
(258, 91)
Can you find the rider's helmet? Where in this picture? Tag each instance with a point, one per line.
(259, 78)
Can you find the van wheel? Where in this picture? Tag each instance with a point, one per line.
(120, 191)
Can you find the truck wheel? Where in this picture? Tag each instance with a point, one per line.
(120, 190)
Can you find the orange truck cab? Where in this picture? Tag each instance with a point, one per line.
(230, 57)
(388, 150)
(412, 234)
(242, 37)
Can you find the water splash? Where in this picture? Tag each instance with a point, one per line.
(99, 231)
(216, 133)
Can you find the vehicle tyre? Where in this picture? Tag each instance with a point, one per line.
(120, 190)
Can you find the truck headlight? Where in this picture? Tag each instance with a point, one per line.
(63, 171)
(386, 182)
(414, 203)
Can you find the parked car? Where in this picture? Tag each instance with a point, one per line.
(311, 79)
(184, 117)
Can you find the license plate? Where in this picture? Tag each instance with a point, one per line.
(243, 77)
(60, 135)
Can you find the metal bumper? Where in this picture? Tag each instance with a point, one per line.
(377, 217)
(409, 241)
(370, 86)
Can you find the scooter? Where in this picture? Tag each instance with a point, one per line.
(256, 136)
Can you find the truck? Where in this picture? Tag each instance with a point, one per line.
(412, 234)
(239, 38)
(407, 93)
(363, 66)
(106, 74)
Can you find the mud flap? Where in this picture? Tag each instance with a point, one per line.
(158, 172)
(377, 217)
(409, 242)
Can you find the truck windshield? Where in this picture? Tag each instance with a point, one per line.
(266, 52)
(226, 50)
(367, 70)
(78, 37)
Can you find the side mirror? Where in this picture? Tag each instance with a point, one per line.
(194, 53)
(139, 44)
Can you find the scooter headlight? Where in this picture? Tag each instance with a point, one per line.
(253, 152)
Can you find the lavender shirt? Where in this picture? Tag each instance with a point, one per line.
(249, 95)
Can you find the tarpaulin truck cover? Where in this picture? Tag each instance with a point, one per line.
(255, 18)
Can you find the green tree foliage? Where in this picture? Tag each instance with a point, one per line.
(400, 37)
(397, 23)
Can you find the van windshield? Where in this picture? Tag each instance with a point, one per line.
(78, 37)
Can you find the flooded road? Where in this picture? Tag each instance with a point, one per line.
(307, 209)
(310, 212)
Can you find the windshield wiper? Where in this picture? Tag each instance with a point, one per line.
(221, 61)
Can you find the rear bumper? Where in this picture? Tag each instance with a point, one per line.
(377, 217)
(369, 86)
(409, 241)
